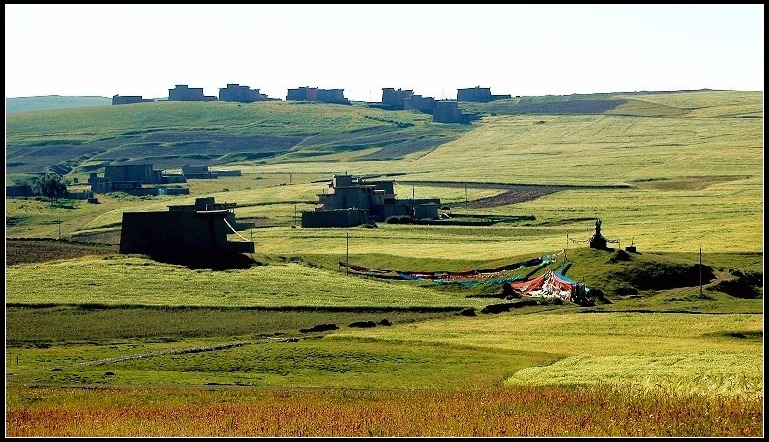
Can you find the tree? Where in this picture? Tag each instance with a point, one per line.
(51, 185)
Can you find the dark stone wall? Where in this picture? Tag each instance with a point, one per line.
(476, 94)
(238, 93)
(303, 94)
(142, 173)
(184, 93)
(447, 112)
(420, 103)
(175, 232)
(128, 99)
(335, 218)
(332, 96)
(393, 99)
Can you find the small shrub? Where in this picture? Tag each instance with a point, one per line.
(320, 328)
(619, 255)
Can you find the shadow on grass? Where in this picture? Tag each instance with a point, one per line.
(212, 261)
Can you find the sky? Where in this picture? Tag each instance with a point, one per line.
(433, 50)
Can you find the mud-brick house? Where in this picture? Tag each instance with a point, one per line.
(131, 178)
(352, 201)
(479, 95)
(130, 99)
(180, 231)
(236, 92)
(182, 92)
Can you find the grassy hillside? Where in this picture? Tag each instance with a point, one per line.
(670, 347)
(44, 103)
(172, 134)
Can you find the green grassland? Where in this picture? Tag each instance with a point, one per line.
(75, 142)
(671, 173)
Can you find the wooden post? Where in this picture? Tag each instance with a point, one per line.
(700, 270)
(347, 269)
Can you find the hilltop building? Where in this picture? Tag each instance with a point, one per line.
(354, 201)
(130, 99)
(182, 92)
(394, 99)
(307, 93)
(479, 95)
(447, 111)
(241, 94)
(420, 103)
(443, 111)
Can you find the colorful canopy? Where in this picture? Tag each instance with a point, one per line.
(550, 285)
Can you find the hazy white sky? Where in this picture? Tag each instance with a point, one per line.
(103, 50)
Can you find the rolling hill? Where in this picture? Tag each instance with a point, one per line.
(49, 102)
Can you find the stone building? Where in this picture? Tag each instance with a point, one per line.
(394, 99)
(304, 93)
(307, 93)
(180, 231)
(131, 178)
(420, 103)
(479, 95)
(182, 92)
(241, 94)
(335, 96)
(354, 201)
(209, 203)
(198, 172)
(447, 111)
(129, 99)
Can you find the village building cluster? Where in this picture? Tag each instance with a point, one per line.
(443, 111)
(142, 179)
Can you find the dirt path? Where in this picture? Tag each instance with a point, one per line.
(174, 351)
(515, 193)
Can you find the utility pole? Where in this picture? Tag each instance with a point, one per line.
(700, 270)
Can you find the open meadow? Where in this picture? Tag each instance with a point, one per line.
(100, 343)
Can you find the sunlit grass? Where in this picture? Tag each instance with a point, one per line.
(697, 345)
(113, 281)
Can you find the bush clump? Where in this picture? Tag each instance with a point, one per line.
(748, 285)
(363, 324)
(402, 219)
(320, 328)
